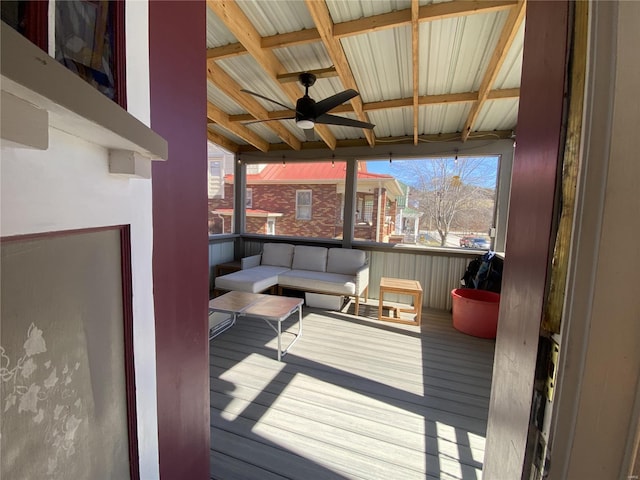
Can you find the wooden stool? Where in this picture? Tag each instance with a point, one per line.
(403, 287)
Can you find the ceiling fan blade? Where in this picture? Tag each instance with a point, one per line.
(343, 121)
(309, 135)
(266, 98)
(323, 106)
(268, 120)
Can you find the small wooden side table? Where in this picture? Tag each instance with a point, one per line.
(228, 267)
(403, 287)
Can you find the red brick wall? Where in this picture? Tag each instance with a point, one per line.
(326, 212)
(325, 208)
(326, 205)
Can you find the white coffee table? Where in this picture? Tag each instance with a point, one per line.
(271, 308)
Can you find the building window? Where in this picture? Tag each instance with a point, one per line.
(89, 41)
(303, 204)
(292, 196)
(220, 190)
(271, 226)
(215, 180)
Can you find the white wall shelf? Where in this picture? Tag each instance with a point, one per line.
(73, 106)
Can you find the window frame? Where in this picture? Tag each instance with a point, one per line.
(299, 205)
(271, 226)
(364, 200)
(503, 148)
(116, 13)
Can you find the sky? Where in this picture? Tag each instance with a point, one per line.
(404, 175)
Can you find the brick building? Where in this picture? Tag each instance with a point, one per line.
(307, 200)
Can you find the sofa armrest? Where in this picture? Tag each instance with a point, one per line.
(362, 278)
(249, 262)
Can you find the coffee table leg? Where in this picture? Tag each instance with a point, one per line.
(282, 353)
(278, 330)
(279, 340)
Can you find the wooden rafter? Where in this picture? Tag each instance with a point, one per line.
(224, 82)
(223, 141)
(415, 62)
(221, 118)
(261, 49)
(291, 39)
(319, 73)
(226, 51)
(362, 142)
(427, 13)
(237, 22)
(511, 26)
(322, 19)
(442, 99)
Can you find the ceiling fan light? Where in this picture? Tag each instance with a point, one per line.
(305, 124)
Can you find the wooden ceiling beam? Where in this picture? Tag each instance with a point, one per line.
(319, 73)
(222, 80)
(509, 31)
(362, 142)
(222, 141)
(415, 62)
(291, 39)
(398, 103)
(226, 51)
(237, 22)
(221, 118)
(322, 19)
(427, 13)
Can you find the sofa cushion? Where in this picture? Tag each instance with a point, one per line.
(309, 258)
(345, 260)
(277, 254)
(253, 280)
(324, 282)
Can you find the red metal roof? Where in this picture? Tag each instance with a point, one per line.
(307, 172)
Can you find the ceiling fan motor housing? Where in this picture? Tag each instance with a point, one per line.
(305, 112)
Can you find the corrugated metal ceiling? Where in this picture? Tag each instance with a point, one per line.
(455, 54)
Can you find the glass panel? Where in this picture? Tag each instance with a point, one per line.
(447, 201)
(299, 199)
(63, 371)
(220, 182)
(303, 204)
(85, 42)
(271, 226)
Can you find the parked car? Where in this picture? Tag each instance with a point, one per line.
(480, 242)
(466, 241)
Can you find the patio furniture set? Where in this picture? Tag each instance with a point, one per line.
(319, 270)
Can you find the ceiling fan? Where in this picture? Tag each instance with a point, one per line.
(308, 112)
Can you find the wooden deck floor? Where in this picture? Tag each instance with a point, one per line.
(355, 398)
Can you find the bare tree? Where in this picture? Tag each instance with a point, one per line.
(449, 189)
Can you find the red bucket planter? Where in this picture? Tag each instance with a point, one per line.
(475, 312)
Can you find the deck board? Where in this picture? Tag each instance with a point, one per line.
(355, 398)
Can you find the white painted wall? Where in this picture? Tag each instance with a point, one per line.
(68, 186)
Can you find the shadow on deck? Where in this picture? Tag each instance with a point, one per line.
(355, 398)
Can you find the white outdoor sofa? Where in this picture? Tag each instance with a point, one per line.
(332, 271)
